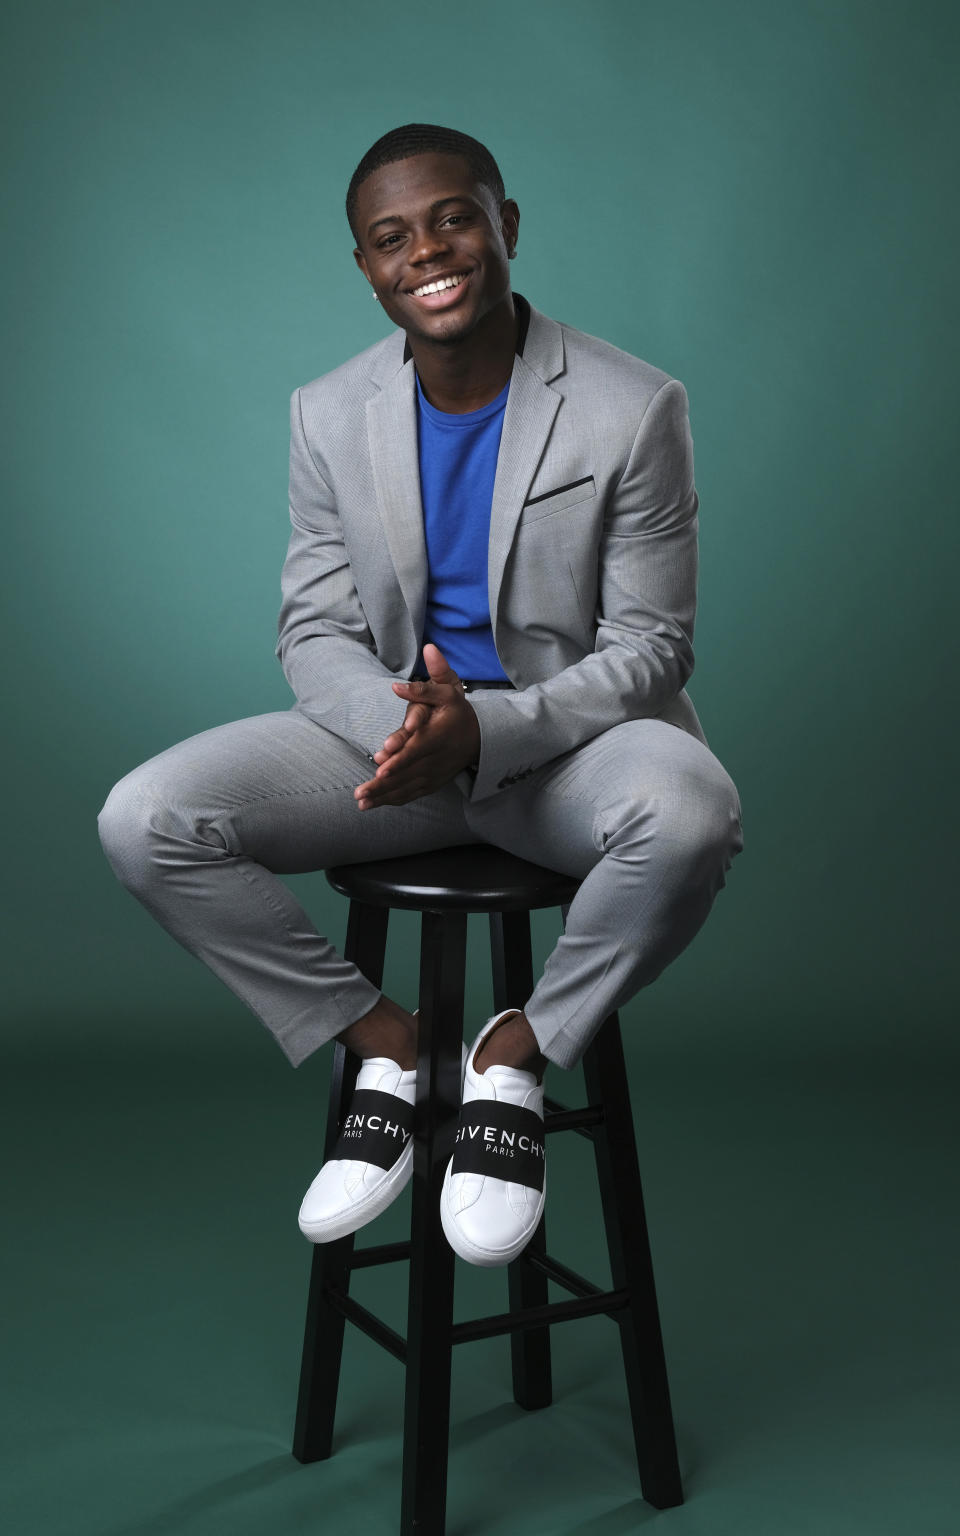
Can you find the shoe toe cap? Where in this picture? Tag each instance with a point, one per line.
(336, 1189)
(490, 1217)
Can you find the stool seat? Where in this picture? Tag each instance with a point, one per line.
(473, 878)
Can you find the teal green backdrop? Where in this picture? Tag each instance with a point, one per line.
(759, 198)
(755, 198)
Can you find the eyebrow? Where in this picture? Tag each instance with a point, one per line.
(441, 202)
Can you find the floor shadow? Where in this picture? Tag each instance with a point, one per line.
(626, 1517)
(276, 1469)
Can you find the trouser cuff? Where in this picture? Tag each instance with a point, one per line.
(310, 1030)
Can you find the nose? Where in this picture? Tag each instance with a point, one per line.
(426, 244)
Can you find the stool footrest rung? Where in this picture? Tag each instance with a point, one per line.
(559, 1117)
(568, 1278)
(590, 1300)
(536, 1317)
(381, 1253)
(368, 1323)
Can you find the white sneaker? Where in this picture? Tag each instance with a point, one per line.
(495, 1184)
(373, 1158)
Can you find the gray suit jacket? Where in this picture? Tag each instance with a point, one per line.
(592, 566)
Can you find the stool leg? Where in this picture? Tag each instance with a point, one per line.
(512, 958)
(330, 1266)
(426, 1425)
(626, 1226)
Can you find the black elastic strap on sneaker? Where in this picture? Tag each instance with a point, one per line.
(376, 1130)
(502, 1141)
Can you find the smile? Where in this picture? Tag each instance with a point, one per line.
(439, 287)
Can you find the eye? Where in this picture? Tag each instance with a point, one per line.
(387, 241)
(456, 218)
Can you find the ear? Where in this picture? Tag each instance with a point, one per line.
(361, 262)
(509, 222)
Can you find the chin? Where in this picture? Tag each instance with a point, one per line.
(452, 332)
(449, 328)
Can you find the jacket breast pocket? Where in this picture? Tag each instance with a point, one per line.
(559, 499)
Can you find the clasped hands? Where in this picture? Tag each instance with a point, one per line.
(440, 735)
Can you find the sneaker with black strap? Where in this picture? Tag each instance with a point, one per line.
(495, 1184)
(372, 1160)
(373, 1157)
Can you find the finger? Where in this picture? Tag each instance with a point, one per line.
(437, 665)
(416, 716)
(422, 690)
(413, 791)
(413, 762)
(394, 743)
(388, 769)
(406, 762)
(411, 788)
(419, 744)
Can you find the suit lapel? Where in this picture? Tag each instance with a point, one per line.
(392, 439)
(527, 422)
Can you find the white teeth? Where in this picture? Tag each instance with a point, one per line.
(447, 282)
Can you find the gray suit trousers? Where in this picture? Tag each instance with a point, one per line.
(643, 814)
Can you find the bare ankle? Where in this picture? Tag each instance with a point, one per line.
(386, 1030)
(512, 1044)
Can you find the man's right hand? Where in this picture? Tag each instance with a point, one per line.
(425, 698)
(440, 735)
(415, 716)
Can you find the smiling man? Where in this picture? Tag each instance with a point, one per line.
(487, 622)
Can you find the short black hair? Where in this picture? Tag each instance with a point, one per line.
(424, 139)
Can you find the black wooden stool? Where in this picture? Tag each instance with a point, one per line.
(445, 887)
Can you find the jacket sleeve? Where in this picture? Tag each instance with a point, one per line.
(325, 646)
(647, 593)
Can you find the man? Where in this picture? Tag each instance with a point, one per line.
(487, 621)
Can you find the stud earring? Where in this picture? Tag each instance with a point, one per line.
(376, 299)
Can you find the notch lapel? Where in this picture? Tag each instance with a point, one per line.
(392, 438)
(527, 422)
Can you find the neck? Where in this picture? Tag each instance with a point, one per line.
(465, 375)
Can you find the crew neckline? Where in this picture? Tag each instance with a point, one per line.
(461, 418)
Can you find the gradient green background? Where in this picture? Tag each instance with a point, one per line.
(760, 199)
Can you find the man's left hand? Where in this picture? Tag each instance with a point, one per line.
(439, 736)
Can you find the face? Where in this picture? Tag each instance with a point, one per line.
(426, 220)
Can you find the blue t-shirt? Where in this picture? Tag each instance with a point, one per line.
(458, 463)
